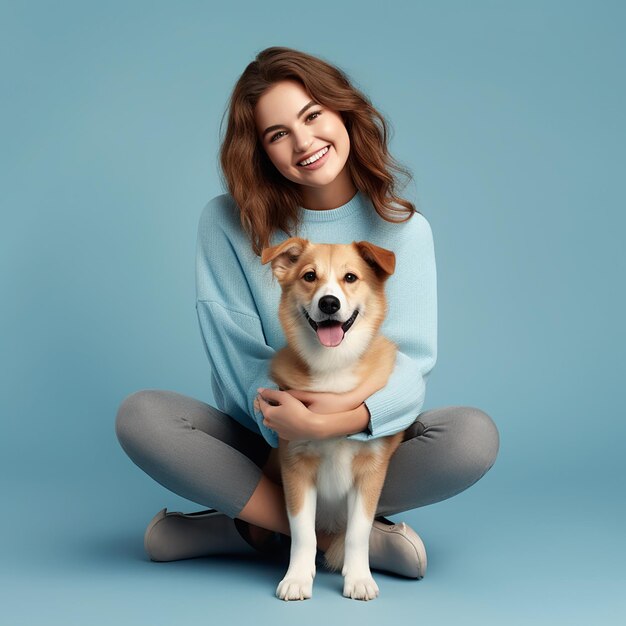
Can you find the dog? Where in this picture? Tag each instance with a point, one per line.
(331, 308)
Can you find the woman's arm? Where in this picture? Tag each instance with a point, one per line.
(411, 324)
(325, 402)
(344, 423)
(291, 419)
(230, 326)
(361, 393)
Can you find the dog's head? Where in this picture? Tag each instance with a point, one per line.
(332, 294)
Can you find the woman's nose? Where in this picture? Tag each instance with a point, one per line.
(302, 141)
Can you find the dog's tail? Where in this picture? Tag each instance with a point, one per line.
(333, 557)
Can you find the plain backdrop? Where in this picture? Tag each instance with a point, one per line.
(510, 116)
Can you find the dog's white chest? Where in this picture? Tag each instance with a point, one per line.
(334, 475)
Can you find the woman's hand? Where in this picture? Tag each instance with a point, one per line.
(325, 403)
(288, 417)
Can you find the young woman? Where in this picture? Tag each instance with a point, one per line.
(304, 154)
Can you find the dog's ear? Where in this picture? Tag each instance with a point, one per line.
(382, 261)
(284, 256)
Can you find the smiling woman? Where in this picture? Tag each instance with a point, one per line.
(287, 108)
(303, 150)
(310, 149)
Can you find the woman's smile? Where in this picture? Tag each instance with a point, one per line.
(315, 161)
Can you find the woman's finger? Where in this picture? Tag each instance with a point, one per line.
(267, 407)
(298, 394)
(272, 394)
(302, 396)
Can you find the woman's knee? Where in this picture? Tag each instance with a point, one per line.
(133, 415)
(478, 438)
(467, 434)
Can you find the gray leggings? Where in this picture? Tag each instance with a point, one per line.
(206, 456)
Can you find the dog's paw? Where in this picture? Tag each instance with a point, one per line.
(295, 588)
(360, 587)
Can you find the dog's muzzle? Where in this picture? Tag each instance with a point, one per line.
(316, 326)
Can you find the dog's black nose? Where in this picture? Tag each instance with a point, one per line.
(329, 304)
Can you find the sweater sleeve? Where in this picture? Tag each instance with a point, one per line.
(411, 323)
(230, 325)
(239, 359)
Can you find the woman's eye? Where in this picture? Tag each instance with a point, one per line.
(309, 277)
(350, 278)
(276, 136)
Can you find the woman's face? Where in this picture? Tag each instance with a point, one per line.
(292, 128)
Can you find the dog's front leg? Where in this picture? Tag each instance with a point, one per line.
(301, 499)
(358, 581)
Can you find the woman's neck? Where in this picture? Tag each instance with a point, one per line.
(330, 196)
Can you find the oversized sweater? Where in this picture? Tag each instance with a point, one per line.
(238, 298)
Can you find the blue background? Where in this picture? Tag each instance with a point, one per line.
(511, 117)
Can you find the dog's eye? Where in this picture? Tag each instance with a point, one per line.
(309, 277)
(350, 278)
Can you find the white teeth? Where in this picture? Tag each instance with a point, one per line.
(314, 158)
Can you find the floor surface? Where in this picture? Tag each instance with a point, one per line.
(498, 554)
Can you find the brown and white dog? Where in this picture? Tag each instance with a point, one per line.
(331, 308)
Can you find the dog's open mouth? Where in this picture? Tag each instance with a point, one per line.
(331, 332)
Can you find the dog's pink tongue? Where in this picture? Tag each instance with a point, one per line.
(330, 336)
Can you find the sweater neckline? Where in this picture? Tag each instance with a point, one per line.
(358, 202)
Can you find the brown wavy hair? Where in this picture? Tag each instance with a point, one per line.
(268, 201)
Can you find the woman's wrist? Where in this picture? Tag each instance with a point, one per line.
(353, 399)
(343, 423)
(318, 424)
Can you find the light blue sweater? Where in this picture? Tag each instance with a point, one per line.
(238, 298)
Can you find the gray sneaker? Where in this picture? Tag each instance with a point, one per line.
(397, 548)
(174, 536)
(393, 548)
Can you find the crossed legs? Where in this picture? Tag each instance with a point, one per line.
(204, 455)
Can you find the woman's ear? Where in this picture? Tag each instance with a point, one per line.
(284, 256)
(382, 261)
